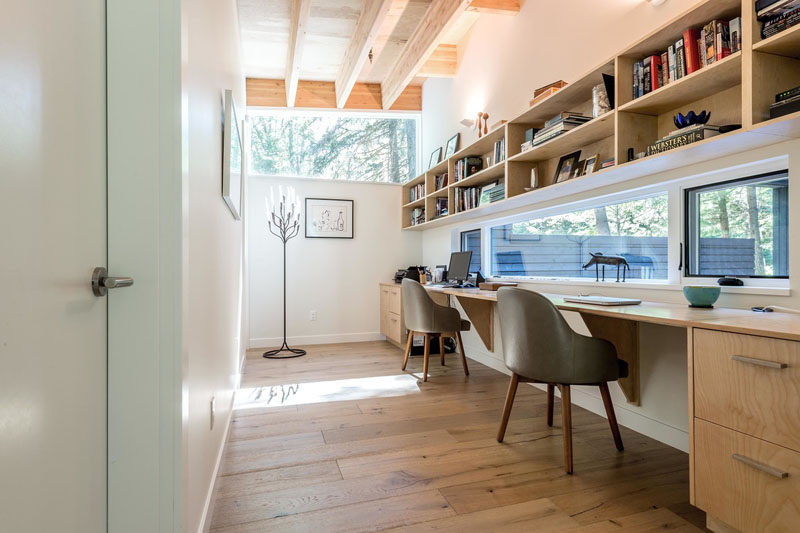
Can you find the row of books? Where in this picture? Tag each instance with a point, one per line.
(416, 192)
(681, 137)
(695, 49)
(466, 167)
(786, 102)
(557, 125)
(471, 197)
(777, 15)
(440, 181)
(417, 216)
(442, 207)
(499, 150)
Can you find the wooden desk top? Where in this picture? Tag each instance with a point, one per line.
(779, 325)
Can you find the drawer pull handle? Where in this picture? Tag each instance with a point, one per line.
(759, 362)
(761, 466)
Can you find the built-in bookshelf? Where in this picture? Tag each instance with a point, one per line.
(737, 89)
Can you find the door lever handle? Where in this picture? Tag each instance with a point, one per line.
(101, 281)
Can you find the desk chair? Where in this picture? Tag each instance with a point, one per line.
(426, 317)
(540, 347)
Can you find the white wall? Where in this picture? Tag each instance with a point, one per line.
(336, 277)
(505, 59)
(213, 246)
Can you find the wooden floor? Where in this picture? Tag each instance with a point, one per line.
(342, 440)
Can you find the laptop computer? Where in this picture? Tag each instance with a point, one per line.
(602, 300)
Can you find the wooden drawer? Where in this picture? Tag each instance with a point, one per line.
(740, 382)
(393, 327)
(738, 480)
(391, 299)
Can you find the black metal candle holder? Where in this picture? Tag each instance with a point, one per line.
(285, 226)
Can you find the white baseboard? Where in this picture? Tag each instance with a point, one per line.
(586, 398)
(301, 340)
(208, 507)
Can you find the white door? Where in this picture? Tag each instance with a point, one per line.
(52, 234)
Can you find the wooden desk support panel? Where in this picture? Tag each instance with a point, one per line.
(624, 335)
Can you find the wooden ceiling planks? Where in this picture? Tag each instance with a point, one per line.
(322, 95)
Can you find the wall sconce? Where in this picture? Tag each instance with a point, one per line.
(655, 3)
(467, 122)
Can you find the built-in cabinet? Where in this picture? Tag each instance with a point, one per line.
(737, 90)
(392, 324)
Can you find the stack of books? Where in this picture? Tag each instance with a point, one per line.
(492, 192)
(417, 216)
(777, 15)
(559, 124)
(440, 181)
(416, 192)
(682, 137)
(466, 167)
(695, 49)
(499, 150)
(467, 198)
(785, 103)
(441, 207)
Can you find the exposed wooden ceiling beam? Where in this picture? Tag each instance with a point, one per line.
(369, 22)
(321, 95)
(503, 7)
(443, 63)
(421, 45)
(297, 36)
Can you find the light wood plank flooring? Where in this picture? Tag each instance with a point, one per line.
(342, 440)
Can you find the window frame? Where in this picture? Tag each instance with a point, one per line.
(688, 224)
(464, 233)
(674, 188)
(254, 111)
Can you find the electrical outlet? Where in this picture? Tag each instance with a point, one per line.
(213, 407)
(312, 315)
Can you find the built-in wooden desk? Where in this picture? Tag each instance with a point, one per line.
(744, 399)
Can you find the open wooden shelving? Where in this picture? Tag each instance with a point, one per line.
(737, 90)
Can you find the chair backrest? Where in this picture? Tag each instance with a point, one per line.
(537, 341)
(418, 307)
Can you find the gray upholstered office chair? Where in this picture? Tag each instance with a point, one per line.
(539, 346)
(425, 317)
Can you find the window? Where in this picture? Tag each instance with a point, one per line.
(560, 245)
(471, 241)
(335, 145)
(739, 228)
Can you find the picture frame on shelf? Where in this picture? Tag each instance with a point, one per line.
(452, 145)
(566, 166)
(578, 170)
(436, 158)
(592, 165)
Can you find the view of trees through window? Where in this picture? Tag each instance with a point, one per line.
(560, 245)
(740, 228)
(334, 145)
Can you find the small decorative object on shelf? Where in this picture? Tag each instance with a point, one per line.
(592, 165)
(598, 259)
(786, 102)
(284, 222)
(691, 119)
(543, 92)
(566, 166)
(600, 102)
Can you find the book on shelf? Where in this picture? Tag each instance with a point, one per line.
(466, 167)
(440, 181)
(442, 207)
(735, 33)
(606, 163)
(681, 139)
(486, 193)
(768, 8)
(417, 216)
(664, 68)
(680, 58)
(776, 24)
(499, 150)
(416, 192)
(690, 38)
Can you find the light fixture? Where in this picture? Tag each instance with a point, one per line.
(656, 2)
(467, 122)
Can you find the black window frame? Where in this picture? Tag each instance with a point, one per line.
(686, 246)
(462, 238)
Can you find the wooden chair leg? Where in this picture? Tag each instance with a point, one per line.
(408, 349)
(612, 418)
(425, 356)
(512, 391)
(463, 355)
(550, 394)
(441, 347)
(566, 426)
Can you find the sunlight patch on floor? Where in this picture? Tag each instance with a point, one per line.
(325, 391)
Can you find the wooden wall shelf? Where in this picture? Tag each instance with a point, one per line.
(737, 90)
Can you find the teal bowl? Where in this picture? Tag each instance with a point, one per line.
(699, 296)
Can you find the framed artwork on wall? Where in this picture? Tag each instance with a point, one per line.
(231, 157)
(329, 218)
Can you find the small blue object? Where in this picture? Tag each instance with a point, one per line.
(691, 118)
(699, 296)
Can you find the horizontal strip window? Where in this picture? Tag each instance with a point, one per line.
(629, 237)
(738, 228)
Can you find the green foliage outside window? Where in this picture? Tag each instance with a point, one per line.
(334, 146)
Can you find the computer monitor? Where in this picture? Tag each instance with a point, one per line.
(458, 270)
